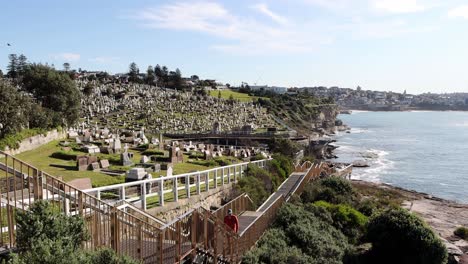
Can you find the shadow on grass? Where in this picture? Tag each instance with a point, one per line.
(63, 167)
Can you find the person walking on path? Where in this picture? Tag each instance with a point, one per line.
(232, 221)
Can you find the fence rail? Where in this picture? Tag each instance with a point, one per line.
(129, 230)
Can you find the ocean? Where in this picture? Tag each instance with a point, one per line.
(422, 151)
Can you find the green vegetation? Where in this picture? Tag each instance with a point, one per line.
(332, 222)
(398, 231)
(44, 235)
(13, 140)
(332, 189)
(461, 232)
(232, 95)
(55, 102)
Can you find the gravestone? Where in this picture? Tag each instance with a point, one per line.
(125, 159)
(135, 174)
(144, 159)
(157, 167)
(169, 170)
(82, 163)
(95, 166)
(104, 163)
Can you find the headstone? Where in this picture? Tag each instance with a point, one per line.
(82, 163)
(169, 171)
(157, 167)
(104, 163)
(95, 166)
(136, 174)
(125, 159)
(144, 159)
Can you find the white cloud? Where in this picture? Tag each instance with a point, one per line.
(246, 35)
(68, 56)
(361, 28)
(104, 60)
(263, 8)
(459, 12)
(399, 6)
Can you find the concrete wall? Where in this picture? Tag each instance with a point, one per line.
(172, 210)
(36, 141)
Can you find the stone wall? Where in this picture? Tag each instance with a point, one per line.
(206, 200)
(36, 141)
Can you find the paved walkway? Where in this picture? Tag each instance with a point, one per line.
(285, 189)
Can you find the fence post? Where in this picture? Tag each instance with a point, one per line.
(207, 181)
(122, 193)
(215, 178)
(161, 193)
(187, 185)
(198, 183)
(175, 190)
(222, 176)
(143, 196)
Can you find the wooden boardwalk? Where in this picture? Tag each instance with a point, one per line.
(285, 189)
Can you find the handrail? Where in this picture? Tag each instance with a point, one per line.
(263, 213)
(168, 178)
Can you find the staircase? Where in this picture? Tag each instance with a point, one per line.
(196, 235)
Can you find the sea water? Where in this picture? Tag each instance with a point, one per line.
(422, 151)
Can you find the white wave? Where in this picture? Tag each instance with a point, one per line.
(359, 130)
(358, 111)
(378, 167)
(464, 124)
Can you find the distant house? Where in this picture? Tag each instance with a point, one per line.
(275, 89)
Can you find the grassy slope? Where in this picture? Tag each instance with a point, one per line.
(225, 94)
(40, 158)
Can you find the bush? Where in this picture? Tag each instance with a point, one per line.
(312, 232)
(332, 189)
(398, 236)
(255, 188)
(346, 219)
(13, 140)
(46, 236)
(461, 232)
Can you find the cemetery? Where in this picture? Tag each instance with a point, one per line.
(134, 106)
(107, 158)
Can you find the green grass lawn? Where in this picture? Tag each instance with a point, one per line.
(41, 159)
(225, 94)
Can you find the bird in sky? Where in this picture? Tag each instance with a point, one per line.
(8, 44)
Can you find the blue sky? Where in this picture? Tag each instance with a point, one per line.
(417, 45)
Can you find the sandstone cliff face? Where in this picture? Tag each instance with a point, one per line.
(326, 121)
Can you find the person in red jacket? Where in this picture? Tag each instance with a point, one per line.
(232, 221)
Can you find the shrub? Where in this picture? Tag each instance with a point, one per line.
(332, 189)
(312, 232)
(398, 236)
(347, 219)
(254, 187)
(461, 232)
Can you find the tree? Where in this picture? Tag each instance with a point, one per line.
(55, 90)
(219, 94)
(133, 72)
(1, 74)
(397, 236)
(88, 89)
(12, 68)
(46, 236)
(66, 66)
(150, 77)
(22, 64)
(159, 74)
(165, 75)
(14, 107)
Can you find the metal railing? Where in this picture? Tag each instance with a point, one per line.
(184, 185)
(127, 229)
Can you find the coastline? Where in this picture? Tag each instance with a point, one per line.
(442, 215)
